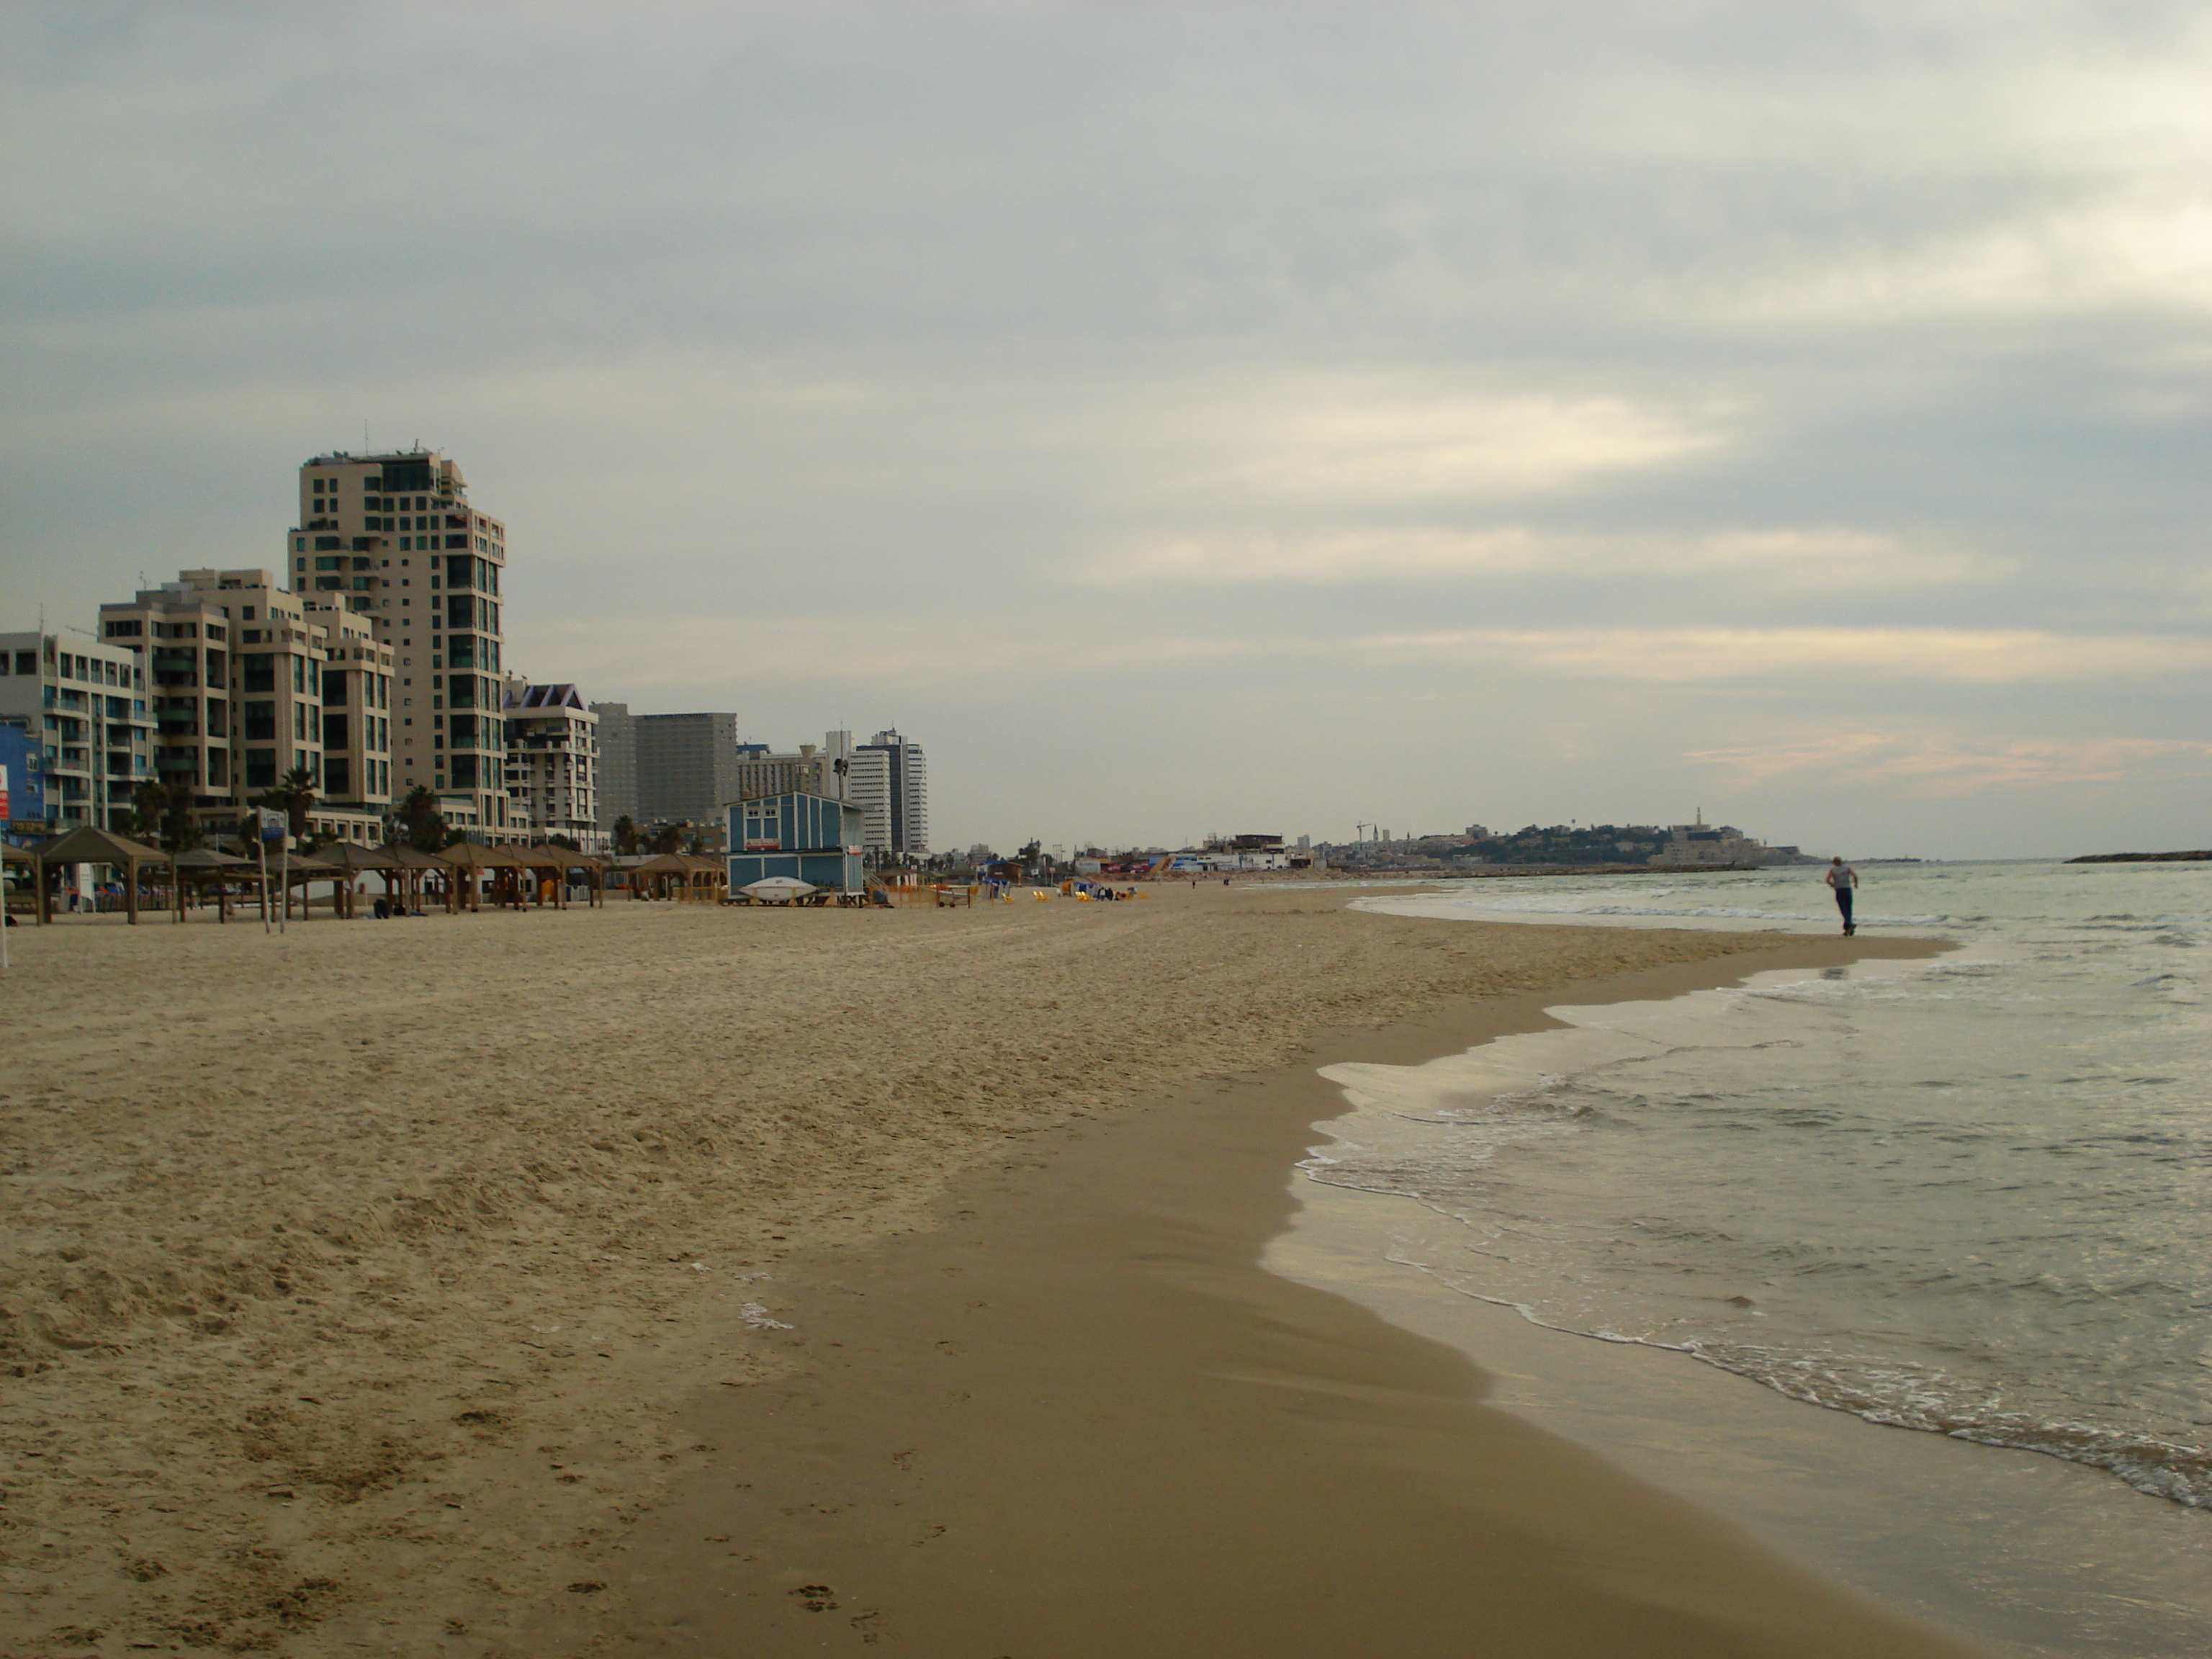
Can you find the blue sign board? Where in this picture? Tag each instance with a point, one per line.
(23, 779)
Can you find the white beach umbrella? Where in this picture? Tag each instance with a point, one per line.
(778, 889)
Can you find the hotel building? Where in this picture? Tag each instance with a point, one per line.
(889, 783)
(687, 768)
(392, 539)
(807, 770)
(250, 681)
(617, 770)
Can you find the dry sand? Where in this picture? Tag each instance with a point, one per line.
(437, 1287)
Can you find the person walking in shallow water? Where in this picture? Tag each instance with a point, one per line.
(1843, 879)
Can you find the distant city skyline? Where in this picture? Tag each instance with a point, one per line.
(1210, 416)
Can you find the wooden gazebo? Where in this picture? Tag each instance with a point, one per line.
(560, 860)
(708, 879)
(204, 864)
(415, 866)
(353, 858)
(467, 858)
(86, 845)
(286, 868)
(665, 875)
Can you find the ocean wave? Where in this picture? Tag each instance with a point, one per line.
(1561, 908)
(1928, 1402)
(1903, 1396)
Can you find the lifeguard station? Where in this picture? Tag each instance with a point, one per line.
(808, 838)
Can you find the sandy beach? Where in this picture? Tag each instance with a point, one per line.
(678, 1281)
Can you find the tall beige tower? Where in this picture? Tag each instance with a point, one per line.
(394, 538)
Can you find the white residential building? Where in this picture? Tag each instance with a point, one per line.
(83, 701)
(889, 782)
(552, 764)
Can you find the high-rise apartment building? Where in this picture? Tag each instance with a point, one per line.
(889, 782)
(393, 539)
(618, 790)
(83, 702)
(887, 778)
(687, 766)
(805, 770)
(250, 681)
(552, 764)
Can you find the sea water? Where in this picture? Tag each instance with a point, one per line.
(1971, 1195)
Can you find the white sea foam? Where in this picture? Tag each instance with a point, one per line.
(1961, 1196)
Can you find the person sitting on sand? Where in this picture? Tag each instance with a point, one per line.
(1844, 878)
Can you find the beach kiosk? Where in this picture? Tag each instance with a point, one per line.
(811, 838)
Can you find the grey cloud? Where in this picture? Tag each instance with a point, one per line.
(940, 310)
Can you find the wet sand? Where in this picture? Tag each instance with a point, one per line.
(1081, 1421)
(448, 1285)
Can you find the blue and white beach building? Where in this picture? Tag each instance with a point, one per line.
(811, 838)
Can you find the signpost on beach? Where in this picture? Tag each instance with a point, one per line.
(265, 829)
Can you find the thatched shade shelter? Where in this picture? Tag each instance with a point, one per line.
(86, 845)
(415, 866)
(353, 858)
(708, 879)
(203, 865)
(559, 860)
(286, 868)
(690, 876)
(467, 858)
(659, 876)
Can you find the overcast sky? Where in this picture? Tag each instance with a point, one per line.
(1189, 417)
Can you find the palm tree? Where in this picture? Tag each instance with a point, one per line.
(294, 796)
(163, 812)
(426, 824)
(626, 835)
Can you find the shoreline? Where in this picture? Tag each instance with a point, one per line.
(2007, 1544)
(1088, 1383)
(354, 1281)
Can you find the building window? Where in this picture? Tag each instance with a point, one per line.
(260, 721)
(261, 769)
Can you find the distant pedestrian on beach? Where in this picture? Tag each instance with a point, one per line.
(1844, 878)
